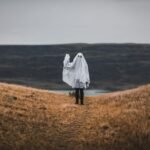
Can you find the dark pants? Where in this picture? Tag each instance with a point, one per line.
(79, 94)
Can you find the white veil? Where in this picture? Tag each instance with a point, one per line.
(76, 70)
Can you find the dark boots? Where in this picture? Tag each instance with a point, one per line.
(79, 94)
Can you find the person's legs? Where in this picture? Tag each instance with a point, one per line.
(77, 95)
(82, 96)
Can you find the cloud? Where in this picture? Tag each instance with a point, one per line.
(62, 21)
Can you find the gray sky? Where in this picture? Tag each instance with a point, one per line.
(74, 21)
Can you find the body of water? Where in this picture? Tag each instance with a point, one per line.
(89, 92)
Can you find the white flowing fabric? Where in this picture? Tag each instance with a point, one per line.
(76, 72)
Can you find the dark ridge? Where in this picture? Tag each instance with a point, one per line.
(112, 66)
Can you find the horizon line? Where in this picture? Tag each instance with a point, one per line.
(109, 43)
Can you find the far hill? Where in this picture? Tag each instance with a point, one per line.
(111, 66)
(34, 119)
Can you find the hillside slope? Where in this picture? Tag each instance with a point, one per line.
(36, 119)
(111, 66)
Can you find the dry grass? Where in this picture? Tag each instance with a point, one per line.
(35, 119)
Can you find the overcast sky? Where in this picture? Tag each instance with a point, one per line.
(74, 21)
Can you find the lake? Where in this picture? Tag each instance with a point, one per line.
(89, 92)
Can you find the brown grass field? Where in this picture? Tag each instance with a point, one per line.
(32, 119)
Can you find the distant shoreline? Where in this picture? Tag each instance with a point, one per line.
(112, 66)
(88, 92)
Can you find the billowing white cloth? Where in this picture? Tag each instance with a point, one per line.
(76, 73)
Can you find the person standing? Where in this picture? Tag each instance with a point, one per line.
(76, 74)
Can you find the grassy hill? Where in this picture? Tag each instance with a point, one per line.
(36, 119)
(111, 66)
